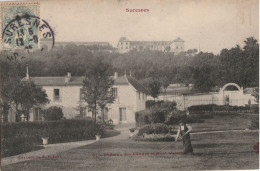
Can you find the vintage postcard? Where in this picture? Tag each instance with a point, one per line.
(129, 85)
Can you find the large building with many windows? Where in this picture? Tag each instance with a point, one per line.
(124, 45)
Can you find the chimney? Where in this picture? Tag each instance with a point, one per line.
(116, 75)
(67, 77)
(27, 72)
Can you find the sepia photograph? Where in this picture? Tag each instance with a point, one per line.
(129, 85)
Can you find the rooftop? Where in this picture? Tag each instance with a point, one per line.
(78, 81)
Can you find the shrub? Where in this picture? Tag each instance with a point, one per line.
(158, 128)
(17, 145)
(255, 108)
(141, 118)
(156, 113)
(53, 113)
(29, 134)
(254, 122)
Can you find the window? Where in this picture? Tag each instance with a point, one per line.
(139, 95)
(56, 94)
(114, 92)
(176, 47)
(126, 47)
(122, 113)
(121, 43)
(81, 94)
(37, 114)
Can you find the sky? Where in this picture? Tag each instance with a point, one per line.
(208, 25)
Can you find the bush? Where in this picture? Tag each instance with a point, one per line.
(141, 118)
(254, 122)
(53, 113)
(158, 128)
(156, 113)
(30, 133)
(17, 145)
(255, 108)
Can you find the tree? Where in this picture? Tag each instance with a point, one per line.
(165, 82)
(155, 88)
(25, 95)
(204, 79)
(97, 87)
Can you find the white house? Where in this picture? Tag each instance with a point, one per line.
(66, 92)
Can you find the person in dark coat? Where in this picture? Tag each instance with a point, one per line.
(184, 131)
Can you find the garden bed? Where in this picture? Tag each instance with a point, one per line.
(155, 137)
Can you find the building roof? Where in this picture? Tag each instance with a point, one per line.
(78, 80)
(123, 39)
(56, 81)
(178, 40)
(138, 43)
(137, 85)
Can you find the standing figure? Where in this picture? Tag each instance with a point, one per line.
(184, 131)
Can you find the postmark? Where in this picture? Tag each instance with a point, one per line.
(22, 28)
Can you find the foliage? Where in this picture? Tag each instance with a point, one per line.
(167, 138)
(25, 95)
(28, 133)
(220, 108)
(205, 70)
(157, 128)
(154, 88)
(97, 87)
(53, 113)
(151, 103)
(141, 118)
(254, 122)
(18, 145)
(156, 113)
(256, 95)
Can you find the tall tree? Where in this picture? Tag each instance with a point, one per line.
(25, 95)
(97, 86)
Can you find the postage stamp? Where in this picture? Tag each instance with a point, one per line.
(22, 27)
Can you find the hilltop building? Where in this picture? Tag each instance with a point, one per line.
(124, 45)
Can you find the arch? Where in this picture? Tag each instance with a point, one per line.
(231, 84)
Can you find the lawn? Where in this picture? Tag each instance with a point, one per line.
(224, 121)
(226, 150)
(212, 151)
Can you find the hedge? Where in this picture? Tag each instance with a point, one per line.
(222, 108)
(29, 134)
(254, 122)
